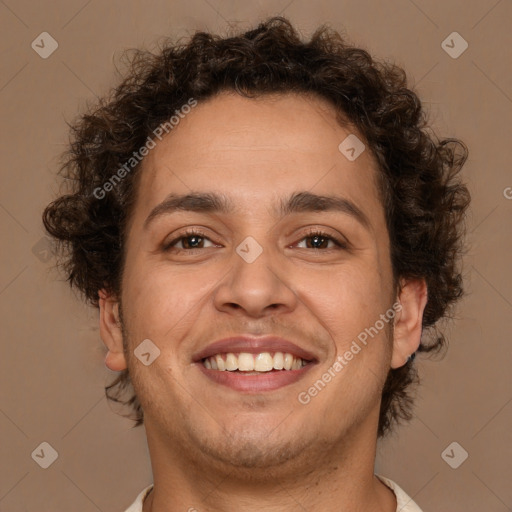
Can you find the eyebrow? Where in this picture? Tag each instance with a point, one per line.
(298, 202)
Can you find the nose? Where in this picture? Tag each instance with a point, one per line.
(256, 288)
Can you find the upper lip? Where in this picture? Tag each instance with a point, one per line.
(253, 346)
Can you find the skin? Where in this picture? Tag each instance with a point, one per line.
(213, 448)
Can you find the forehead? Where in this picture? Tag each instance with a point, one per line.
(255, 149)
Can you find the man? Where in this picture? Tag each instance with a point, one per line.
(267, 229)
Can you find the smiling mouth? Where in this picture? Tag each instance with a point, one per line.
(254, 364)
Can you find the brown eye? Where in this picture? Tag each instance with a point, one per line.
(188, 242)
(318, 242)
(321, 240)
(192, 242)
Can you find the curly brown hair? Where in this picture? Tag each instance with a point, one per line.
(424, 199)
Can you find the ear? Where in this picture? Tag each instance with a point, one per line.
(111, 332)
(408, 320)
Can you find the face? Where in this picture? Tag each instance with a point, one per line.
(255, 265)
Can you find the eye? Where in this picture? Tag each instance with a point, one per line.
(194, 239)
(188, 241)
(320, 240)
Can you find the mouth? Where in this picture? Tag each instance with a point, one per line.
(254, 365)
(250, 364)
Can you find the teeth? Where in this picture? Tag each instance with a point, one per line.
(278, 361)
(263, 362)
(231, 362)
(245, 362)
(220, 362)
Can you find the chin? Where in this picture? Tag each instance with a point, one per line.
(252, 448)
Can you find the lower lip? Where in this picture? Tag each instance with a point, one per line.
(267, 381)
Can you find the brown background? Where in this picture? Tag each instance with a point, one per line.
(51, 366)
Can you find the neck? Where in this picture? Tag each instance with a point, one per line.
(337, 478)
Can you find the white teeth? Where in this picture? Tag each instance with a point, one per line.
(245, 362)
(278, 361)
(231, 362)
(220, 363)
(262, 362)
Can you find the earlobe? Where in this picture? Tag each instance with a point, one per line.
(111, 332)
(408, 321)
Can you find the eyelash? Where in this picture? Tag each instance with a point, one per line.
(310, 234)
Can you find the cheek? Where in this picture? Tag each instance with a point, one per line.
(350, 310)
(160, 301)
(347, 299)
